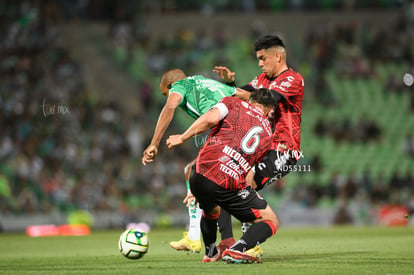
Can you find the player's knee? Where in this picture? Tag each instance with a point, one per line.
(276, 221)
(213, 214)
(270, 216)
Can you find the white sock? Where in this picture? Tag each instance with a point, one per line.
(194, 230)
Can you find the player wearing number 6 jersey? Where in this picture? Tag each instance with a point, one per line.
(239, 138)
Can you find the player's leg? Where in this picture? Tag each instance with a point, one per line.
(191, 239)
(256, 251)
(194, 212)
(204, 190)
(261, 229)
(257, 211)
(209, 231)
(226, 230)
(274, 166)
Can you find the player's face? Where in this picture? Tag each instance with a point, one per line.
(268, 61)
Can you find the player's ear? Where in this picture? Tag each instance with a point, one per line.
(278, 56)
(169, 86)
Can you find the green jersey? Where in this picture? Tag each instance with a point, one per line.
(199, 94)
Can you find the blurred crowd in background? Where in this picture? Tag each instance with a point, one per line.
(63, 148)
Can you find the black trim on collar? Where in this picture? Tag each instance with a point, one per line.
(273, 78)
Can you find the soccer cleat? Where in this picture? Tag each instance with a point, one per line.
(185, 244)
(256, 252)
(215, 258)
(237, 257)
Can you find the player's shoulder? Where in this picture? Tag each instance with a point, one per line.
(179, 84)
(230, 100)
(261, 76)
(290, 78)
(259, 80)
(195, 77)
(292, 73)
(178, 88)
(188, 81)
(183, 86)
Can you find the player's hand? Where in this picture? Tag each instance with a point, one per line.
(149, 154)
(174, 140)
(224, 73)
(189, 199)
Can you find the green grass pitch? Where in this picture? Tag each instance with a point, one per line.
(336, 250)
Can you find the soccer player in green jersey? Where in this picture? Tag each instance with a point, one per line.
(195, 95)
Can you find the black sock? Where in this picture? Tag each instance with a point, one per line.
(224, 224)
(256, 234)
(211, 250)
(209, 231)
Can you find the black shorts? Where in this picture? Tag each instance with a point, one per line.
(244, 204)
(274, 166)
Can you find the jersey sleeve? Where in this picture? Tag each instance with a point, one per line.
(224, 105)
(178, 89)
(222, 108)
(289, 86)
(254, 82)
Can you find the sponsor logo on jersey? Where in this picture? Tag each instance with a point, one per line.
(236, 156)
(226, 170)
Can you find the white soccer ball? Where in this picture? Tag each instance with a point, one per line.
(133, 243)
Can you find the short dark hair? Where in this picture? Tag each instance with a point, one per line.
(268, 41)
(262, 96)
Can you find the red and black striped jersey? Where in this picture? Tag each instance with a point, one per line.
(287, 117)
(240, 139)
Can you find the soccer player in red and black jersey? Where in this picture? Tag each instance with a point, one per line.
(240, 136)
(288, 87)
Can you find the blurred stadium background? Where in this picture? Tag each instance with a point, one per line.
(80, 97)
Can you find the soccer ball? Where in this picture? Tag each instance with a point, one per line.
(133, 243)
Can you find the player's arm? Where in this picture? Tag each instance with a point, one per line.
(242, 94)
(277, 97)
(228, 76)
(202, 124)
(164, 120)
(225, 74)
